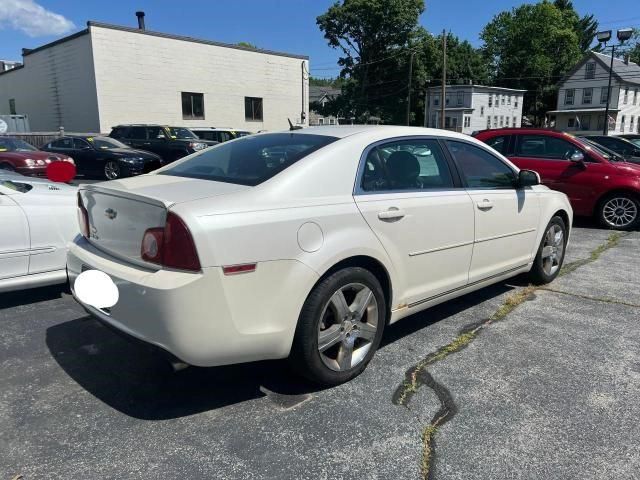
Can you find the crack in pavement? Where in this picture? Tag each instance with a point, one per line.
(589, 297)
(417, 376)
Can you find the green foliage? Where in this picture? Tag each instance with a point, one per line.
(246, 45)
(634, 47)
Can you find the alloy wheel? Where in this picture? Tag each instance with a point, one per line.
(553, 249)
(620, 212)
(347, 327)
(112, 170)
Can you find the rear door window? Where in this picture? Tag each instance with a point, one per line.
(62, 143)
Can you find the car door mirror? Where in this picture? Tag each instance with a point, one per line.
(577, 157)
(528, 178)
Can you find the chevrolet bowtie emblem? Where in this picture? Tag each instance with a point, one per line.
(110, 213)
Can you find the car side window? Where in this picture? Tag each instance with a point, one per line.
(414, 165)
(62, 143)
(155, 133)
(79, 144)
(542, 146)
(480, 168)
(137, 133)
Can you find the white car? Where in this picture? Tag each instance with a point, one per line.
(37, 220)
(306, 243)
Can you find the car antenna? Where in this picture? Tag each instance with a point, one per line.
(292, 126)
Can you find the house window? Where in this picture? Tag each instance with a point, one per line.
(332, 121)
(571, 122)
(515, 122)
(635, 96)
(490, 100)
(192, 106)
(495, 121)
(488, 122)
(503, 99)
(482, 111)
(467, 121)
(253, 109)
(587, 94)
(569, 93)
(509, 100)
(590, 70)
(460, 99)
(507, 122)
(631, 124)
(622, 120)
(604, 94)
(436, 101)
(626, 95)
(320, 121)
(12, 106)
(502, 120)
(446, 100)
(515, 103)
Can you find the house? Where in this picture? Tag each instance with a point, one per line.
(8, 65)
(469, 108)
(582, 97)
(107, 75)
(320, 95)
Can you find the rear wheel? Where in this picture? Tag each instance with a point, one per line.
(112, 170)
(619, 211)
(548, 262)
(340, 327)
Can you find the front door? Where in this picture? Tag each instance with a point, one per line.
(14, 241)
(506, 218)
(413, 202)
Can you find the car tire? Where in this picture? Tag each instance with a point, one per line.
(550, 256)
(7, 167)
(340, 327)
(619, 211)
(112, 170)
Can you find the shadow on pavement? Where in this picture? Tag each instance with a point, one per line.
(33, 295)
(137, 380)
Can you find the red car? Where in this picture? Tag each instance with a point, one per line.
(597, 184)
(19, 156)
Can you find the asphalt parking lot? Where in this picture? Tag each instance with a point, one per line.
(508, 382)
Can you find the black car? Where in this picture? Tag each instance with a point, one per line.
(171, 143)
(632, 137)
(629, 151)
(104, 157)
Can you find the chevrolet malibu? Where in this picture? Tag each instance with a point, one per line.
(307, 243)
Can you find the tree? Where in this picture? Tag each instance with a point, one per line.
(585, 27)
(532, 47)
(634, 47)
(376, 39)
(246, 45)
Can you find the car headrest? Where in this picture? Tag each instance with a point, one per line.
(403, 168)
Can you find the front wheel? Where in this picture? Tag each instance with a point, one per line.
(340, 327)
(619, 211)
(548, 262)
(112, 170)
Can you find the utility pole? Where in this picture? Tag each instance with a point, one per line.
(444, 77)
(427, 101)
(409, 90)
(605, 129)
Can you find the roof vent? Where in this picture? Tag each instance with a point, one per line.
(140, 16)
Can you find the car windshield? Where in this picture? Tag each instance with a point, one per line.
(15, 145)
(250, 160)
(605, 152)
(180, 132)
(105, 143)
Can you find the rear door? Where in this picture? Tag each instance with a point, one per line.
(506, 218)
(413, 201)
(14, 241)
(136, 137)
(156, 141)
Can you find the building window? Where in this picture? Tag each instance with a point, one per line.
(587, 94)
(446, 100)
(590, 70)
(635, 96)
(506, 122)
(604, 94)
(502, 120)
(482, 111)
(192, 106)
(436, 101)
(569, 93)
(488, 122)
(332, 121)
(253, 109)
(631, 124)
(571, 122)
(509, 100)
(495, 121)
(626, 95)
(320, 121)
(460, 99)
(515, 122)
(467, 121)
(622, 120)
(12, 106)
(515, 103)
(490, 100)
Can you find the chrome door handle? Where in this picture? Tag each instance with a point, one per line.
(392, 214)
(485, 204)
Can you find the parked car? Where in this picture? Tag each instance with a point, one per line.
(19, 156)
(38, 220)
(629, 150)
(632, 137)
(104, 157)
(171, 143)
(306, 243)
(219, 134)
(596, 185)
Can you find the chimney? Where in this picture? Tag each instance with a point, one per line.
(140, 16)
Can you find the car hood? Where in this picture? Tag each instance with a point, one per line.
(628, 168)
(130, 152)
(37, 155)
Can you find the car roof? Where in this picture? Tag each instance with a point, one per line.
(384, 131)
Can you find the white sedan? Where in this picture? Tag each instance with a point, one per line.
(37, 221)
(306, 244)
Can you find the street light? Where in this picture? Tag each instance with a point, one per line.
(603, 37)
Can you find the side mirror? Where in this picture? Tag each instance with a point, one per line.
(528, 178)
(577, 157)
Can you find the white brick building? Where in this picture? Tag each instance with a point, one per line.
(582, 97)
(106, 75)
(469, 108)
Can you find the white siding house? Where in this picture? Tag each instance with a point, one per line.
(582, 97)
(107, 75)
(470, 108)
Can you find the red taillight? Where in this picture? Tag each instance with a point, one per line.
(83, 218)
(170, 246)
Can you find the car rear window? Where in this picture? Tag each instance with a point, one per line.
(250, 160)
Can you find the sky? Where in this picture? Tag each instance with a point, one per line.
(282, 25)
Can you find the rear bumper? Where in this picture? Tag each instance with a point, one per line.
(203, 318)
